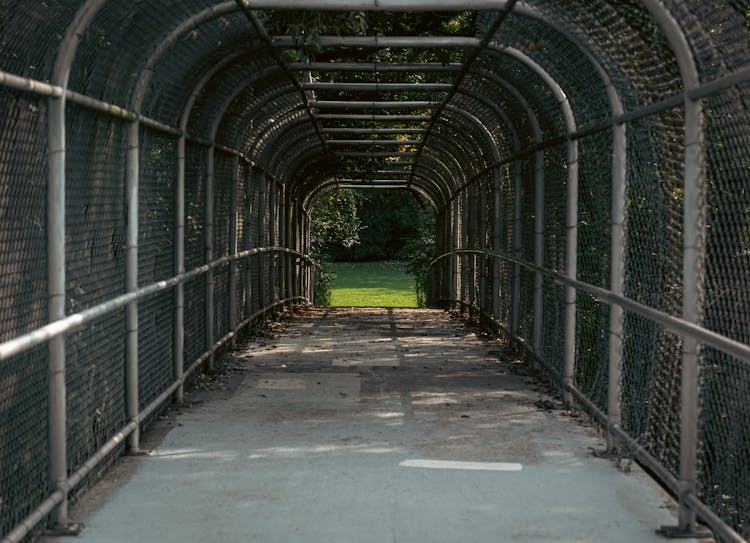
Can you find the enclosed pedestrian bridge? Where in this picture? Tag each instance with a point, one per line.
(588, 164)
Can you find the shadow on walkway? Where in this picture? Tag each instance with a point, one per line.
(372, 425)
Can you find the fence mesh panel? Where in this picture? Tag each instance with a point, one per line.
(583, 46)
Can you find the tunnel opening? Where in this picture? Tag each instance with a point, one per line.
(375, 248)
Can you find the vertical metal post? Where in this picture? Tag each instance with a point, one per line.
(571, 270)
(693, 259)
(481, 232)
(56, 303)
(248, 210)
(273, 241)
(538, 253)
(233, 195)
(515, 308)
(261, 234)
(291, 218)
(281, 258)
(497, 239)
(209, 252)
(617, 278)
(456, 280)
(56, 148)
(179, 268)
(131, 280)
(307, 274)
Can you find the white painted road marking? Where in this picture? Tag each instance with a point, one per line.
(452, 464)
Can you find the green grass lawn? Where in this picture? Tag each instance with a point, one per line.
(372, 284)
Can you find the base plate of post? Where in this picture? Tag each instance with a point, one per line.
(680, 532)
(140, 452)
(605, 453)
(69, 530)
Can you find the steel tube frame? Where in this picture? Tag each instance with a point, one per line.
(377, 5)
(373, 67)
(248, 218)
(350, 130)
(131, 282)
(366, 117)
(378, 87)
(208, 247)
(571, 215)
(618, 217)
(373, 104)
(687, 93)
(233, 248)
(377, 42)
(261, 228)
(56, 292)
(694, 254)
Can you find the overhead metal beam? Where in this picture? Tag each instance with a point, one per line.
(354, 104)
(348, 130)
(376, 42)
(378, 5)
(397, 143)
(477, 46)
(373, 67)
(261, 30)
(373, 181)
(378, 118)
(376, 153)
(377, 87)
(374, 186)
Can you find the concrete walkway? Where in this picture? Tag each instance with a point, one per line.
(373, 425)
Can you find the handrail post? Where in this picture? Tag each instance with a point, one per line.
(56, 304)
(261, 232)
(273, 241)
(56, 295)
(482, 244)
(131, 282)
(515, 308)
(247, 214)
(233, 195)
(617, 280)
(209, 254)
(538, 332)
(497, 239)
(179, 268)
(571, 267)
(281, 257)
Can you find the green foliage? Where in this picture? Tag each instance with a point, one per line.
(323, 279)
(389, 220)
(419, 252)
(372, 284)
(357, 226)
(334, 223)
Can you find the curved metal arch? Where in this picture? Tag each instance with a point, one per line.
(267, 99)
(224, 106)
(56, 293)
(288, 121)
(330, 184)
(281, 150)
(146, 73)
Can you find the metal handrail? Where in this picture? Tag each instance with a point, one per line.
(72, 322)
(674, 324)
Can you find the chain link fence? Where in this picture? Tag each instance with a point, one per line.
(571, 214)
